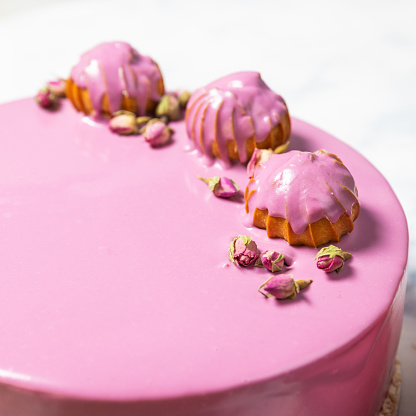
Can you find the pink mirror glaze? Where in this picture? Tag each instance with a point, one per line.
(303, 187)
(235, 107)
(118, 297)
(116, 69)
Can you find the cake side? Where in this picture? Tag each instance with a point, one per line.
(84, 199)
(369, 385)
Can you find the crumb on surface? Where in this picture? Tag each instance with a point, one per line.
(391, 403)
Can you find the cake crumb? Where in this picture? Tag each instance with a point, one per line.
(391, 403)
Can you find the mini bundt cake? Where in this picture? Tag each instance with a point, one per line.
(305, 198)
(113, 76)
(232, 116)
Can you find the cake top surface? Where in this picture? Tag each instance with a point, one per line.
(116, 69)
(303, 187)
(114, 258)
(235, 107)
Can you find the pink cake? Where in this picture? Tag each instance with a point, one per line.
(118, 297)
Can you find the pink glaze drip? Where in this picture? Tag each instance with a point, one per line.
(303, 187)
(116, 69)
(118, 298)
(235, 107)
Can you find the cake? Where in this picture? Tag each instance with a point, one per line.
(113, 76)
(232, 116)
(303, 197)
(118, 297)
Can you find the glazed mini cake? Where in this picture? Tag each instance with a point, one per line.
(113, 76)
(303, 197)
(230, 117)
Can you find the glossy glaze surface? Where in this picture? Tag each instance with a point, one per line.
(302, 187)
(233, 108)
(116, 69)
(118, 296)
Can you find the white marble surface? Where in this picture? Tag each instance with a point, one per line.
(348, 67)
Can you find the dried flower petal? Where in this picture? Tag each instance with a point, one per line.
(282, 286)
(331, 259)
(273, 261)
(221, 186)
(183, 97)
(169, 106)
(243, 250)
(157, 133)
(282, 148)
(46, 99)
(57, 87)
(259, 156)
(124, 123)
(142, 121)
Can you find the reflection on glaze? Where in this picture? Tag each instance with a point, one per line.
(116, 69)
(236, 108)
(303, 188)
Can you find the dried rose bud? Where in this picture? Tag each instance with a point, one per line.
(243, 250)
(124, 123)
(331, 259)
(169, 106)
(221, 186)
(272, 261)
(282, 286)
(259, 156)
(57, 87)
(282, 148)
(183, 97)
(46, 98)
(157, 133)
(142, 121)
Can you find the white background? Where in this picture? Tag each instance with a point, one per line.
(348, 67)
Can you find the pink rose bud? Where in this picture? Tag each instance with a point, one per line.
(259, 156)
(331, 259)
(273, 261)
(57, 87)
(46, 98)
(169, 106)
(157, 133)
(221, 187)
(124, 123)
(243, 250)
(282, 286)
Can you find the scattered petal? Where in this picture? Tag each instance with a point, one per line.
(243, 251)
(331, 259)
(124, 123)
(282, 286)
(221, 186)
(169, 107)
(273, 261)
(259, 156)
(157, 133)
(46, 98)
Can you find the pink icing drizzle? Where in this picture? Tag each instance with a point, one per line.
(235, 107)
(117, 69)
(303, 187)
